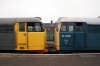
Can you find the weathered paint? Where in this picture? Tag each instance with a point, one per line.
(66, 43)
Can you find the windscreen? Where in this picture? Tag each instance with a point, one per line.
(67, 27)
(34, 27)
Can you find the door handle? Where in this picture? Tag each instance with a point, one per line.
(24, 34)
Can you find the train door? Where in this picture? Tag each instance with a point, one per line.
(79, 36)
(21, 35)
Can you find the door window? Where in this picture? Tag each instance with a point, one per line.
(21, 27)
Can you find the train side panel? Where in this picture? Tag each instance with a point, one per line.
(93, 37)
(7, 41)
(93, 41)
(7, 34)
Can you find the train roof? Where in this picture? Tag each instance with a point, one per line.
(19, 19)
(81, 19)
(27, 20)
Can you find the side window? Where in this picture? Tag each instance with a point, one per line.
(21, 27)
(63, 27)
(2, 28)
(79, 27)
(9, 28)
(70, 27)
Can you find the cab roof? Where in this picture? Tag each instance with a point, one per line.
(88, 20)
(18, 19)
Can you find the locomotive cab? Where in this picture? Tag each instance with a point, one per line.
(30, 35)
(70, 35)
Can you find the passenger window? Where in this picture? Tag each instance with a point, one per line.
(34, 27)
(79, 27)
(70, 27)
(63, 27)
(2, 29)
(21, 27)
(9, 28)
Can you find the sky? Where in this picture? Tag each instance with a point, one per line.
(49, 9)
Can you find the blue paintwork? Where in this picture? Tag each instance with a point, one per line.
(92, 41)
(88, 39)
(63, 45)
(77, 44)
(79, 40)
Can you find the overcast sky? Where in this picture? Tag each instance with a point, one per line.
(49, 9)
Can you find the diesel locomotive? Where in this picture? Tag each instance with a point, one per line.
(22, 34)
(77, 34)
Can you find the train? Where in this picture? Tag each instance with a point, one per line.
(77, 34)
(29, 34)
(22, 34)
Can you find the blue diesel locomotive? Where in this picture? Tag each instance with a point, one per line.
(77, 34)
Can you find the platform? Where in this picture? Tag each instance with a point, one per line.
(81, 59)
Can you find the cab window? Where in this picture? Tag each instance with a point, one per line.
(63, 27)
(70, 27)
(67, 27)
(79, 27)
(34, 27)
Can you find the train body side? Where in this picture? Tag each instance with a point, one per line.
(93, 37)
